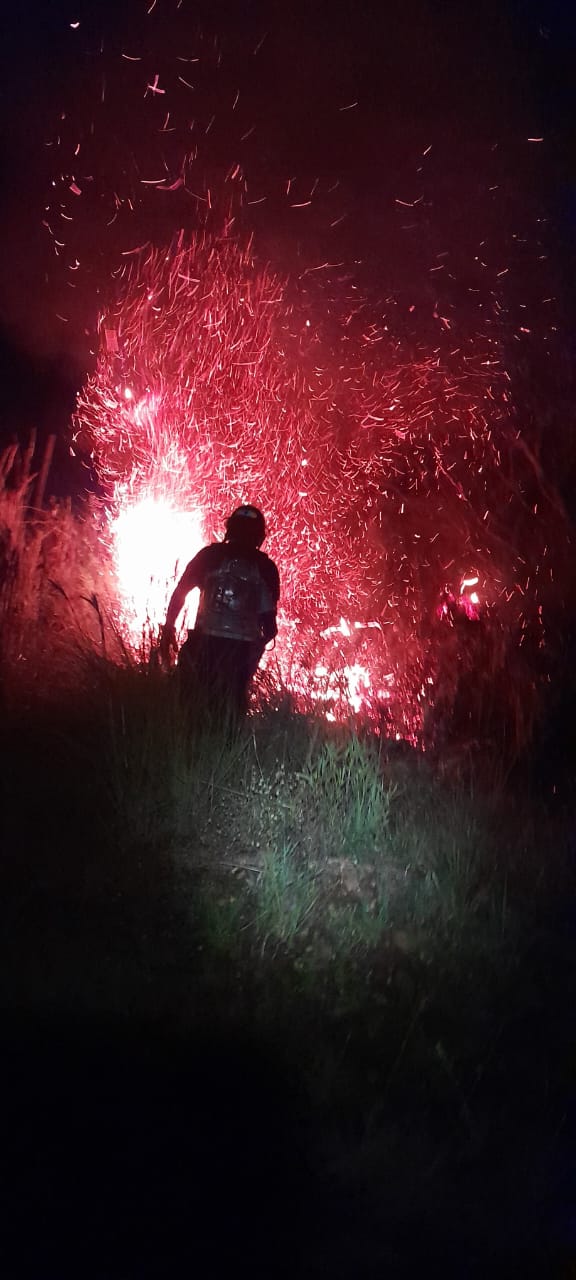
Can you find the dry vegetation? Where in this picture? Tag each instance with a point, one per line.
(386, 920)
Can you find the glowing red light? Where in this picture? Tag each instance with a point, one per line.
(372, 471)
(152, 543)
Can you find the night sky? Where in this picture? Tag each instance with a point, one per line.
(411, 118)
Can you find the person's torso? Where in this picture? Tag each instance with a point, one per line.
(233, 593)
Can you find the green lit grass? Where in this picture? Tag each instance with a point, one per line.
(393, 928)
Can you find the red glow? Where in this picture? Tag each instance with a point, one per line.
(469, 599)
(217, 384)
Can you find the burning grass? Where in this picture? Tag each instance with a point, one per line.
(358, 878)
(402, 498)
(308, 813)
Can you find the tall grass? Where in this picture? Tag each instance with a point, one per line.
(315, 841)
(167, 773)
(55, 590)
(363, 907)
(335, 840)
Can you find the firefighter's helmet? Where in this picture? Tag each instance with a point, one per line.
(246, 524)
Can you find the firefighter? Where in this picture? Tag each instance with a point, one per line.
(236, 619)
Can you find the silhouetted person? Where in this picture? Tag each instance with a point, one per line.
(239, 591)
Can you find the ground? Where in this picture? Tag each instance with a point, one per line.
(275, 997)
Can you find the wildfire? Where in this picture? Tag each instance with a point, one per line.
(152, 543)
(374, 425)
(213, 387)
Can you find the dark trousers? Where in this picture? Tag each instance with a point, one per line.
(216, 671)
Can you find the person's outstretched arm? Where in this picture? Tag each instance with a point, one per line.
(190, 579)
